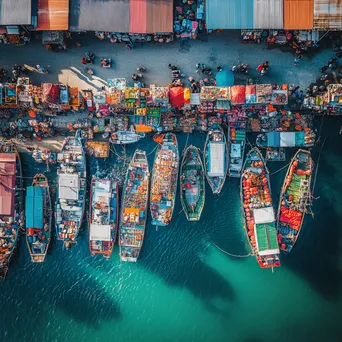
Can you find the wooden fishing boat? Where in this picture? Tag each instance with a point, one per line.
(192, 185)
(216, 158)
(164, 179)
(38, 215)
(257, 209)
(236, 148)
(134, 208)
(11, 205)
(294, 197)
(103, 216)
(126, 137)
(71, 191)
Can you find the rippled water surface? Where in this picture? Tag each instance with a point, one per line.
(183, 288)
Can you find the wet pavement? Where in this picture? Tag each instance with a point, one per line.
(223, 49)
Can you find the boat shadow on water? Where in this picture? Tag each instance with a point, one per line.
(316, 254)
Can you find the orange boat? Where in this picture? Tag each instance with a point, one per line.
(258, 212)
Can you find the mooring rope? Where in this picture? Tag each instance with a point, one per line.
(186, 143)
(153, 150)
(319, 157)
(273, 173)
(225, 252)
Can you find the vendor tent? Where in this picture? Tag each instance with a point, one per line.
(53, 15)
(225, 78)
(176, 96)
(298, 14)
(237, 94)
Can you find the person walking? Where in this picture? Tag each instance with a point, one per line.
(296, 60)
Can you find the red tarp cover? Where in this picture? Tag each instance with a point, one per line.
(7, 183)
(237, 94)
(50, 93)
(250, 90)
(176, 96)
(138, 16)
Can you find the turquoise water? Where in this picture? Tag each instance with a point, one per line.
(183, 288)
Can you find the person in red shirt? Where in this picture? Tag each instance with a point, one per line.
(259, 68)
(84, 61)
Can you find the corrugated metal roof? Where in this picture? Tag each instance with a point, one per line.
(104, 15)
(327, 14)
(138, 16)
(15, 12)
(298, 14)
(229, 14)
(159, 16)
(268, 14)
(53, 15)
(151, 16)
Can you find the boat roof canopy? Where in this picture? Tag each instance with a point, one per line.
(287, 139)
(68, 186)
(7, 182)
(263, 215)
(100, 232)
(266, 238)
(216, 159)
(34, 207)
(235, 150)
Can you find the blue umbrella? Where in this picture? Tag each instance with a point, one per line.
(225, 78)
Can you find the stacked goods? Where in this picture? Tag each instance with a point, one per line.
(293, 200)
(258, 211)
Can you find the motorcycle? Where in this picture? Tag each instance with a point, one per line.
(141, 69)
(106, 62)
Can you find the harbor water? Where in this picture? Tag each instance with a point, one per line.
(184, 287)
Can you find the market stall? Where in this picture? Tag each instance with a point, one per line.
(160, 94)
(279, 97)
(24, 92)
(251, 94)
(251, 36)
(153, 117)
(264, 93)
(74, 98)
(132, 97)
(237, 94)
(335, 94)
(115, 97)
(117, 83)
(10, 90)
(176, 96)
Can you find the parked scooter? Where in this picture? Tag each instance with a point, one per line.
(89, 71)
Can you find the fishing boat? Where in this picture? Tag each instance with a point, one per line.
(71, 190)
(192, 186)
(164, 179)
(236, 147)
(103, 216)
(294, 197)
(11, 204)
(126, 137)
(216, 158)
(38, 213)
(257, 209)
(134, 208)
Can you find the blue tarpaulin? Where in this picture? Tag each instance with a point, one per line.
(225, 78)
(273, 139)
(34, 207)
